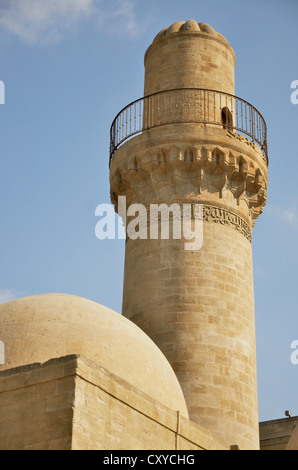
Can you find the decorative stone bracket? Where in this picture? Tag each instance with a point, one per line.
(191, 173)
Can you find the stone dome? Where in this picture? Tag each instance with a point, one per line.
(42, 327)
(189, 26)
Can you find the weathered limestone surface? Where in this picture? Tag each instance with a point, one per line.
(293, 442)
(77, 375)
(36, 406)
(41, 327)
(187, 55)
(279, 434)
(198, 306)
(71, 403)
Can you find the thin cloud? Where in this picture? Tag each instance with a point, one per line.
(6, 295)
(47, 22)
(42, 22)
(124, 18)
(289, 216)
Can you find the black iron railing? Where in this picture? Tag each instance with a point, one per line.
(189, 105)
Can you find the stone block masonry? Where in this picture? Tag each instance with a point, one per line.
(71, 403)
(197, 306)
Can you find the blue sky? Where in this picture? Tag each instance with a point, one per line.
(68, 67)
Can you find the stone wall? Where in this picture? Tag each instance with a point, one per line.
(189, 58)
(72, 403)
(36, 406)
(198, 305)
(275, 434)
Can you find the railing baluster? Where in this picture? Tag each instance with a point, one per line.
(145, 112)
(119, 129)
(125, 122)
(208, 106)
(236, 113)
(122, 127)
(231, 111)
(187, 105)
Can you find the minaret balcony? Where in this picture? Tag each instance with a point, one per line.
(190, 105)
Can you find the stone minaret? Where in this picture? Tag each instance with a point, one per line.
(190, 140)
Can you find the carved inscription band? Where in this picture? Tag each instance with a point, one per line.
(211, 213)
(225, 217)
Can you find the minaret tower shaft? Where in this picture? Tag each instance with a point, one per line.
(190, 140)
